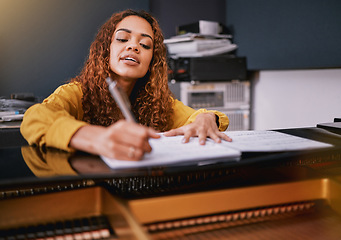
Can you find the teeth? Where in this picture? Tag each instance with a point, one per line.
(130, 59)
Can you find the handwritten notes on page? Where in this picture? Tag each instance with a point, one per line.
(270, 141)
(170, 150)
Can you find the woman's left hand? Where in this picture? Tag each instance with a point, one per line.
(204, 126)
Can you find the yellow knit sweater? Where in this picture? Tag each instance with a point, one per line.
(53, 122)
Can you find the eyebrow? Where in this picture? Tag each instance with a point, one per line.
(129, 31)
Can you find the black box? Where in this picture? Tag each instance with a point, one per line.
(215, 68)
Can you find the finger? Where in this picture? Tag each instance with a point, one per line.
(141, 140)
(225, 137)
(215, 137)
(170, 133)
(188, 134)
(202, 134)
(153, 134)
(132, 134)
(146, 147)
(174, 132)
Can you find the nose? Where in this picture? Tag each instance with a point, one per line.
(133, 47)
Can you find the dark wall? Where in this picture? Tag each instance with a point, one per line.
(286, 34)
(179, 12)
(44, 43)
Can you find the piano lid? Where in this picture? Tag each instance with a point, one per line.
(25, 165)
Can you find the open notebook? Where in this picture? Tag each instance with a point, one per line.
(170, 150)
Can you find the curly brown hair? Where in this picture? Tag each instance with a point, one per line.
(151, 98)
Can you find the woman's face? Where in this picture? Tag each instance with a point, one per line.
(131, 50)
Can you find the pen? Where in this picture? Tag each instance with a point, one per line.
(121, 99)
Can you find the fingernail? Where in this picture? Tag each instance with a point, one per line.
(202, 142)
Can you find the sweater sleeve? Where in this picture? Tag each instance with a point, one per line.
(53, 122)
(184, 115)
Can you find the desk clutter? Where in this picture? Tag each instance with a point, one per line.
(200, 39)
(12, 110)
(204, 71)
(11, 114)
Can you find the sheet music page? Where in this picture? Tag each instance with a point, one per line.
(270, 141)
(170, 150)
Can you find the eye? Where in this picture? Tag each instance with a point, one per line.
(145, 46)
(121, 40)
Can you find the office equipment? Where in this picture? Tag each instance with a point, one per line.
(218, 83)
(214, 68)
(201, 39)
(229, 97)
(264, 195)
(25, 97)
(6, 113)
(11, 117)
(193, 36)
(203, 27)
(121, 99)
(217, 95)
(200, 48)
(239, 119)
(209, 52)
(15, 125)
(15, 105)
(12, 110)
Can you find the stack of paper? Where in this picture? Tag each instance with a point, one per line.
(199, 45)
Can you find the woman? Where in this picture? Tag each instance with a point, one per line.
(83, 115)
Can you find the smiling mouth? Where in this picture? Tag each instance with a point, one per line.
(131, 59)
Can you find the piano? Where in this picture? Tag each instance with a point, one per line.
(51, 194)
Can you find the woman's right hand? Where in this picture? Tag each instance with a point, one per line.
(123, 140)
